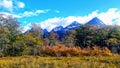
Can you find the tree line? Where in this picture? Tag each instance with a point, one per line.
(89, 35)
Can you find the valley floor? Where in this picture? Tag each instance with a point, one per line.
(60, 62)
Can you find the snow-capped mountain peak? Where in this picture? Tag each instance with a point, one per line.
(58, 28)
(95, 21)
(73, 25)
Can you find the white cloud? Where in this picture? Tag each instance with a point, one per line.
(7, 15)
(8, 4)
(21, 5)
(25, 14)
(11, 4)
(110, 17)
(33, 13)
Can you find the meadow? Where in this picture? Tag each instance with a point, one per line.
(61, 62)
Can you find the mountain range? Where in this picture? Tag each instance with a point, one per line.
(94, 22)
(60, 29)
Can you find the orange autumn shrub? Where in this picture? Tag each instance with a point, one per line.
(106, 51)
(86, 51)
(96, 50)
(75, 51)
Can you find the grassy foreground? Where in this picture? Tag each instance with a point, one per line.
(60, 62)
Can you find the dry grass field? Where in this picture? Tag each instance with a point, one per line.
(61, 62)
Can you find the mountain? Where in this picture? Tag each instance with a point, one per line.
(58, 28)
(96, 22)
(72, 26)
(45, 33)
(62, 31)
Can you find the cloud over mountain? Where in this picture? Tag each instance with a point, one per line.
(110, 17)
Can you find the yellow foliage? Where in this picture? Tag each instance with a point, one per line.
(113, 40)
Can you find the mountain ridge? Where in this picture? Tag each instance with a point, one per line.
(95, 22)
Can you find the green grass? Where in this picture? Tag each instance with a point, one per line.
(61, 62)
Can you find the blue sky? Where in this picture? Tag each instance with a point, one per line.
(51, 13)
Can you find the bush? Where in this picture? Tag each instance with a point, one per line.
(75, 51)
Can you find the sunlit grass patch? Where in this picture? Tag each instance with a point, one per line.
(61, 62)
